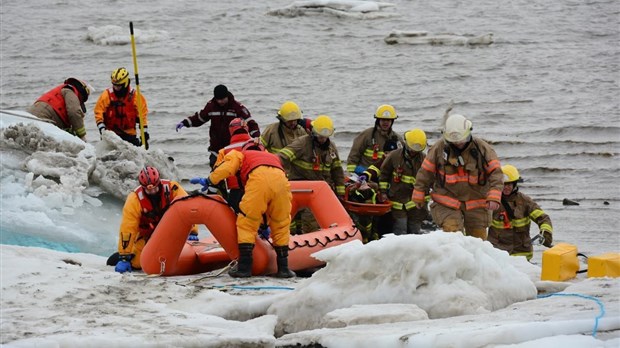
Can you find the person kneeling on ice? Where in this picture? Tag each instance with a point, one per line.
(510, 228)
(267, 191)
(142, 212)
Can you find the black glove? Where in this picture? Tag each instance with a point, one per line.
(146, 140)
(547, 238)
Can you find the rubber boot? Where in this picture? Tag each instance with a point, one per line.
(283, 271)
(244, 265)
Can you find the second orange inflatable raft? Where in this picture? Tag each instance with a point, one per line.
(169, 253)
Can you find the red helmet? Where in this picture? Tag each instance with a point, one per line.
(148, 176)
(253, 145)
(236, 124)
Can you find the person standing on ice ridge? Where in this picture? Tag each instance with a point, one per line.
(510, 228)
(464, 177)
(117, 109)
(64, 106)
(267, 192)
(220, 110)
(143, 209)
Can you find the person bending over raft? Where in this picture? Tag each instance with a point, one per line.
(267, 191)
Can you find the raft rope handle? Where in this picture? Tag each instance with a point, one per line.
(162, 268)
(232, 263)
(598, 302)
(327, 240)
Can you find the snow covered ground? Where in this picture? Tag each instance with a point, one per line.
(433, 290)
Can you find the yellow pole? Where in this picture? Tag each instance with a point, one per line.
(138, 97)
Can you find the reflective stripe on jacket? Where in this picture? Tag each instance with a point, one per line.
(397, 177)
(305, 160)
(277, 136)
(220, 117)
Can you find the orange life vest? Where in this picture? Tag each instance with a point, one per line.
(55, 99)
(236, 142)
(253, 159)
(122, 113)
(151, 215)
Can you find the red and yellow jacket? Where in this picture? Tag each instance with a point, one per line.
(120, 114)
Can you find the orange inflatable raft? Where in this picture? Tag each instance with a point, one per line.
(169, 253)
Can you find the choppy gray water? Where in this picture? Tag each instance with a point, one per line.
(546, 93)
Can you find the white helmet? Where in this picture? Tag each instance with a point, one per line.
(457, 128)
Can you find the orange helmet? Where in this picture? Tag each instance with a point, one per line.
(236, 124)
(149, 176)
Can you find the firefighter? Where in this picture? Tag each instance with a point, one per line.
(396, 181)
(510, 228)
(268, 192)
(144, 208)
(290, 126)
(367, 148)
(465, 176)
(314, 157)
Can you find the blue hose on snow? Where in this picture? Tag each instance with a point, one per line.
(598, 302)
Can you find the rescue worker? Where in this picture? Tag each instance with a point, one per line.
(64, 106)
(396, 181)
(367, 148)
(267, 191)
(314, 157)
(289, 127)
(510, 228)
(239, 135)
(142, 212)
(117, 109)
(372, 227)
(220, 110)
(465, 177)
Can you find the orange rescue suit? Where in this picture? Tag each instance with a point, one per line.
(140, 218)
(267, 191)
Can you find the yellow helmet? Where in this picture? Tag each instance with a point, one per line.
(457, 128)
(415, 139)
(323, 126)
(386, 112)
(120, 76)
(511, 174)
(289, 111)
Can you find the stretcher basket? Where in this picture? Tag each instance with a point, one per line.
(358, 208)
